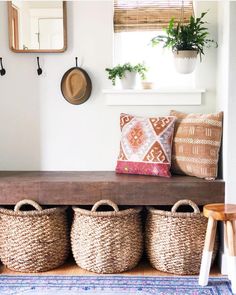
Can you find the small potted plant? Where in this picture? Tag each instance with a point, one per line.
(186, 42)
(127, 74)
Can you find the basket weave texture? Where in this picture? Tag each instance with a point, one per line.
(175, 241)
(107, 242)
(33, 241)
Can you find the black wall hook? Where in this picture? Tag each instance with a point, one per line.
(2, 70)
(76, 62)
(39, 70)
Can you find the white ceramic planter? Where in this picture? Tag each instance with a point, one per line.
(129, 80)
(185, 61)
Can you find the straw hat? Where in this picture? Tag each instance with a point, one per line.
(76, 86)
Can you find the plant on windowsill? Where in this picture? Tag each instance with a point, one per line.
(186, 42)
(127, 74)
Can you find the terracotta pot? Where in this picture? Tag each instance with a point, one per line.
(147, 85)
(185, 61)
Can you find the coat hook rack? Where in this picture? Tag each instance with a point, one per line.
(2, 70)
(39, 70)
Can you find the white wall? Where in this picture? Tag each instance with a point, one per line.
(226, 89)
(206, 71)
(226, 93)
(40, 130)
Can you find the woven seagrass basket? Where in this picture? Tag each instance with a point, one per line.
(35, 240)
(108, 241)
(175, 240)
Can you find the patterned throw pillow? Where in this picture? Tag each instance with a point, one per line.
(196, 144)
(145, 146)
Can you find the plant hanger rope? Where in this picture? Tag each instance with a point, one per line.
(182, 13)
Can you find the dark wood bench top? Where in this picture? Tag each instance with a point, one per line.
(85, 188)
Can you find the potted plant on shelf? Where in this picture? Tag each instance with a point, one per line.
(127, 74)
(187, 41)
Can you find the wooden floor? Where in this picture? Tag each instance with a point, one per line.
(71, 269)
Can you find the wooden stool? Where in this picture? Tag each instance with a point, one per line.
(227, 214)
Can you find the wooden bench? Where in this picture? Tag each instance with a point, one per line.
(85, 188)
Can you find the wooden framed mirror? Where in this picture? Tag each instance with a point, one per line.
(37, 26)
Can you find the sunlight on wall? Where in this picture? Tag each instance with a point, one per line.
(135, 47)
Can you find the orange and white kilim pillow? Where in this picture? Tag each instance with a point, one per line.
(145, 146)
(196, 144)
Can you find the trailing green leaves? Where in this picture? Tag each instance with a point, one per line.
(193, 36)
(119, 71)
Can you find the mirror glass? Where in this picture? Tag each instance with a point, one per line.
(37, 26)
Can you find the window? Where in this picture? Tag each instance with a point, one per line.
(135, 24)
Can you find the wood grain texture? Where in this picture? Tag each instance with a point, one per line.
(220, 211)
(231, 234)
(210, 235)
(86, 188)
(71, 269)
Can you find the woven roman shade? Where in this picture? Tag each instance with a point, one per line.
(141, 15)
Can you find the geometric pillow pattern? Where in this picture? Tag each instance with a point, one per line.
(196, 144)
(146, 145)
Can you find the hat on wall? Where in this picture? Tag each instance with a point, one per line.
(76, 86)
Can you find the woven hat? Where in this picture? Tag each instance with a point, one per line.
(76, 86)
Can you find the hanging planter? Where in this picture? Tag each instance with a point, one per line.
(127, 74)
(185, 61)
(187, 41)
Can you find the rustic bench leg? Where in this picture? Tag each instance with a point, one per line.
(207, 252)
(231, 234)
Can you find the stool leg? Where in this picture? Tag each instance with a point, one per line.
(207, 252)
(226, 250)
(231, 234)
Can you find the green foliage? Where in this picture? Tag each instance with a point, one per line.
(119, 71)
(193, 36)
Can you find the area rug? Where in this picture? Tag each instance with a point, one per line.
(110, 285)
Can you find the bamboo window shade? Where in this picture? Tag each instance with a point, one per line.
(142, 15)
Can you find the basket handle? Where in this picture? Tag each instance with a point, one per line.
(185, 202)
(27, 202)
(105, 202)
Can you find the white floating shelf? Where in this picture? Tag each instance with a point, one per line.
(164, 97)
